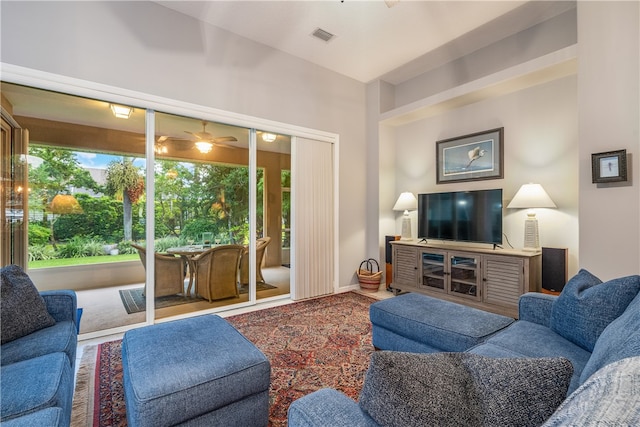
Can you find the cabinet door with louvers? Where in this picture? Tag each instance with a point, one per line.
(405, 271)
(504, 280)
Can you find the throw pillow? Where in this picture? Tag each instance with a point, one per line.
(453, 389)
(609, 398)
(22, 309)
(586, 306)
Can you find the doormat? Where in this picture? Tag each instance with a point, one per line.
(134, 302)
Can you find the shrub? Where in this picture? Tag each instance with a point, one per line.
(93, 248)
(194, 229)
(38, 235)
(101, 218)
(79, 247)
(41, 253)
(126, 248)
(164, 243)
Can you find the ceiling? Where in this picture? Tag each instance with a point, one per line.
(371, 39)
(75, 120)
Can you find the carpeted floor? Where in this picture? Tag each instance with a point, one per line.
(324, 342)
(134, 302)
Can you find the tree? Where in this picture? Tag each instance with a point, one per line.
(124, 180)
(199, 197)
(58, 172)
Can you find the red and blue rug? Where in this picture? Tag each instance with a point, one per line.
(312, 344)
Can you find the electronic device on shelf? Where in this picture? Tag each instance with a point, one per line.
(465, 216)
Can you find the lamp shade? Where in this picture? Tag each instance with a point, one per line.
(531, 196)
(406, 202)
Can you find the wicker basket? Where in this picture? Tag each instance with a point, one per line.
(369, 279)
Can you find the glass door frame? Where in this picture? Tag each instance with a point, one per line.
(84, 88)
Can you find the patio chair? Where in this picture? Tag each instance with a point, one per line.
(207, 238)
(217, 272)
(261, 245)
(170, 272)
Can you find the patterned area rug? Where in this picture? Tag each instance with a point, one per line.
(324, 342)
(134, 302)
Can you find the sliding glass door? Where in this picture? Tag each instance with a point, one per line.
(201, 209)
(13, 195)
(90, 177)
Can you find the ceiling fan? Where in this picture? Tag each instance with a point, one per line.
(205, 141)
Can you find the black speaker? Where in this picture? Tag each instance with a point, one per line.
(387, 248)
(388, 259)
(554, 268)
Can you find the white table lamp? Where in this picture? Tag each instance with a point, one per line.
(531, 196)
(406, 202)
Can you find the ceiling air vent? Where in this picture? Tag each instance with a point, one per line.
(322, 34)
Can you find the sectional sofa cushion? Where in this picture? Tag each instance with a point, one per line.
(50, 417)
(586, 306)
(327, 407)
(413, 389)
(36, 384)
(23, 310)
(60, 337)
(619, 340)
(540, 342)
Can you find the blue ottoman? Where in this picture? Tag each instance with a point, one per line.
(197, 372)
(421, 324)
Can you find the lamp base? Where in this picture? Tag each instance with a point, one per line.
(531, 235)
(406, 228)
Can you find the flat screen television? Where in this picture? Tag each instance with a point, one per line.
(465, 216)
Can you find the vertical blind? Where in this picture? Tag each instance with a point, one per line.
(312, 218)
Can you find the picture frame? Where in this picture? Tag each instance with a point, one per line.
(472, 157)
(609, 166)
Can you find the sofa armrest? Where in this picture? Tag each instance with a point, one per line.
(536, 308)
(62, 305)
(327, 407)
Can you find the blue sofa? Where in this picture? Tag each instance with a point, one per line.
(594, 325)
(37, 377)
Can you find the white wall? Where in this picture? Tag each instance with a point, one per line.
(609, 119)
(540, 145)
(551, 131)
(145, 47)
(541, 39)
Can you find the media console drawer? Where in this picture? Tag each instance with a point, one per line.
(489, 279)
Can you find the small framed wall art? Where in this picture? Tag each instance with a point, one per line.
(470, 157)
(610, 166)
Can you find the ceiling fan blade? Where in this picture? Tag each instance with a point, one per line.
(218, 144)
(199, 135)
(223, 139)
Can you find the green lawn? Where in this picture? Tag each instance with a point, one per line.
(63, 262)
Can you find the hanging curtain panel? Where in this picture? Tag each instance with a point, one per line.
(312, 218)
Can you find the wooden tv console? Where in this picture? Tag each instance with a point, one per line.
(484, 278)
